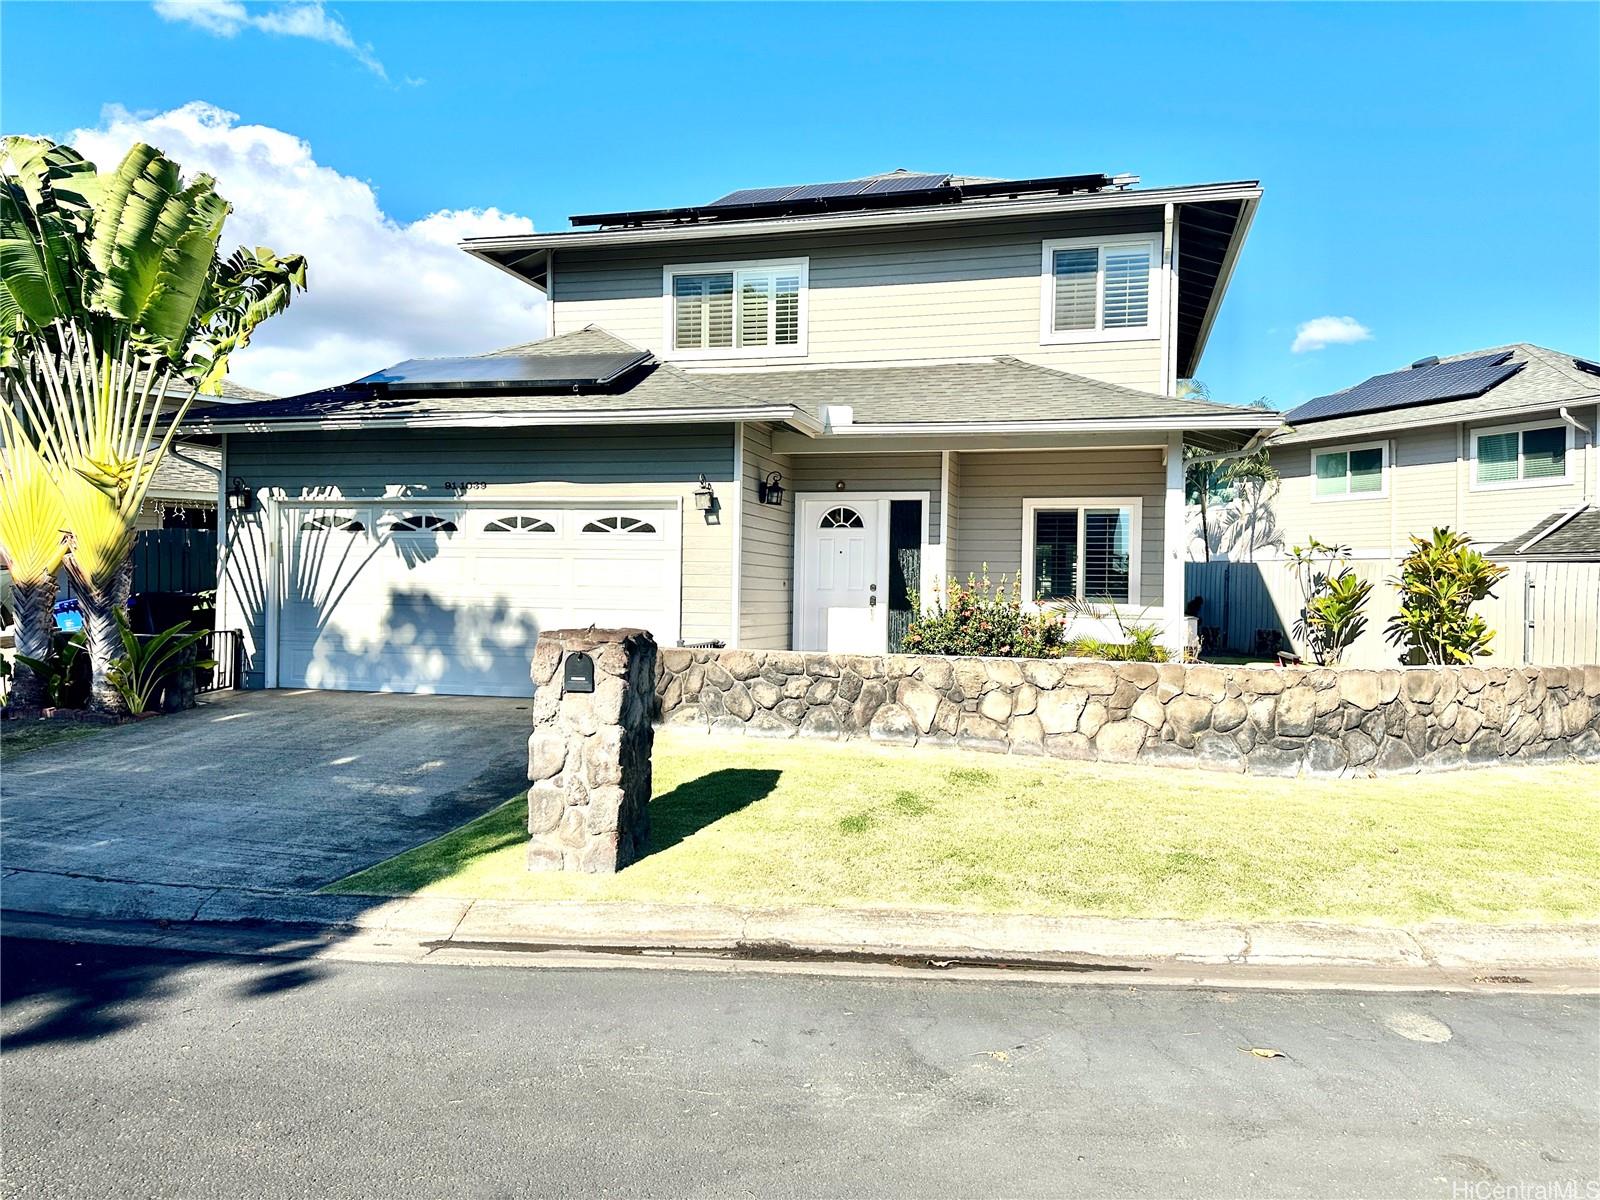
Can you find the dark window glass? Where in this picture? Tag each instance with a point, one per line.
(1055, 555)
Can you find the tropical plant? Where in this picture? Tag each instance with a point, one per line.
(147, 662)
(115, 310)
(1331, 618)
(1139, 641)
(31, 544)
(984, 617)
(54, 670)
(1439, 581)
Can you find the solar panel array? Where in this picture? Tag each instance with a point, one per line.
(506, 370)
(887, 185)
(1456, 380)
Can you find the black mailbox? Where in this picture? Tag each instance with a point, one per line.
(578, 674)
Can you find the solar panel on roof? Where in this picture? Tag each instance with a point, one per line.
(904, 183)
(827, 191)
(1457, 380)
(766, 195)
(507, 370)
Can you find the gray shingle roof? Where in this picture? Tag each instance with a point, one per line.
(1577, 537)
(1548, 378)
(996, 390)
(1001, 390)
(174, 477)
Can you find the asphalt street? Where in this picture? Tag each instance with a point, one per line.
(130, 1072)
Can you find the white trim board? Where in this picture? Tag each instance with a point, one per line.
(1477, 432)
(1348, 448)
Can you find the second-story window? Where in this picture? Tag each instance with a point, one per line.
(1097, 289)
(737, 307)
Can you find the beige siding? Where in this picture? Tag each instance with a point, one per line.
(995, 484)
(766, 548)
(873, 473)
(1429, 485)
(662, 462)
(878, 295)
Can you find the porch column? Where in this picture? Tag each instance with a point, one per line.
(1174, 528)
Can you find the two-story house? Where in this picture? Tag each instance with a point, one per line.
(770, 421)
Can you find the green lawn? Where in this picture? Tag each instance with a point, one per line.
(19, 737)
(750, 822)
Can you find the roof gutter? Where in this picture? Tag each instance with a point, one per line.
(1264, 422)
(512, 420)
(1248, 191)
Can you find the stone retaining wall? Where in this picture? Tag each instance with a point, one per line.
(1264, 720)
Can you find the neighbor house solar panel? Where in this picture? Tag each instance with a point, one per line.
(506, 371)
(1418, 385)
(827, 191)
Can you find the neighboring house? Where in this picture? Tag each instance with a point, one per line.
(1498, 444)
(1489, 442)
(183, 493)
(765, 422)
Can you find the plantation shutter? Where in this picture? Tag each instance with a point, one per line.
(1127, 288)
(1332, 474)
(1366, 470)
(702, 311)
(1076, 275)
(1055, 555)
(755, 309)
(786, 309)
(1107, 564)
(1497, 458)
(1544, 453)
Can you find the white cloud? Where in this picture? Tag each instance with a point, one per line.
(1321, 332)
(301, 19)
(380, 290)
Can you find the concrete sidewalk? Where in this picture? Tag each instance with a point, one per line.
(1444, 953)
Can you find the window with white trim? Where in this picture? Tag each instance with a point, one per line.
(329, 524)
(1084, 551)
(1100, 289)
(731, 308)
(420, 523)
(1352, 472)
(1520, 455)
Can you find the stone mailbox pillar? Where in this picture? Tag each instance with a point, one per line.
(589, 756)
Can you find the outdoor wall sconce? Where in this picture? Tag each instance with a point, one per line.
(769, 490)
(240, 497)
(704, 497)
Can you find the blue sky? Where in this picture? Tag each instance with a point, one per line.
(1431, 171)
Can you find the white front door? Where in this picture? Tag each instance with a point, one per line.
(843, 605)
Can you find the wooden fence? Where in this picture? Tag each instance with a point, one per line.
(175, 560)
(1542, 613)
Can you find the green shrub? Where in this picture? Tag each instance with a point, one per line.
(986, 618)
(1439, 581)
(1331, 618)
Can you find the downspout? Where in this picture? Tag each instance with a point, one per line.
(1587, 494)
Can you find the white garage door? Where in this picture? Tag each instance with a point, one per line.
(449, 598)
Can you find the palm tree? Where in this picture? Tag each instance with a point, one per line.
(31, 543)
(113, 298)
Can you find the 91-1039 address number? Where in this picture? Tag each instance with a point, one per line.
(469, 485)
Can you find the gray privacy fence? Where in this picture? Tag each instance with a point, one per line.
(1542, 613)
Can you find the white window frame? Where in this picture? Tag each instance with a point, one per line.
(1562, 480)
(1135, 507)
(1149, 331)
(1349, 448)
(668, 315)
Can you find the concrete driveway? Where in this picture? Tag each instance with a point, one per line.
(274, 791)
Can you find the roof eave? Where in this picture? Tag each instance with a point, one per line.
(1306, 434)
(510, 420)
(485, 247)
(1247, 214)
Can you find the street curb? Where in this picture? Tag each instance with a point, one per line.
(433, 923)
